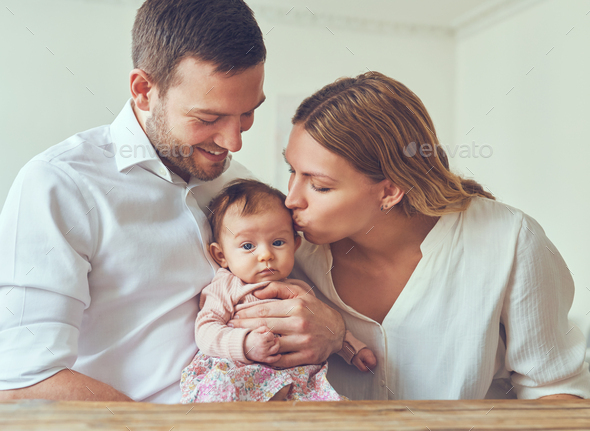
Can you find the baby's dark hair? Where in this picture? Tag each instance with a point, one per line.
(254, 196)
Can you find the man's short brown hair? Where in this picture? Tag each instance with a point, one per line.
(253, 197)
(223, 32)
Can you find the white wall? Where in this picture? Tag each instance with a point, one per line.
(539, 131)
(43, 103)
(303, 56)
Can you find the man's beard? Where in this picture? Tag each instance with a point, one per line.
(171, 151)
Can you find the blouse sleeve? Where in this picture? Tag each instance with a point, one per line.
(544, 351)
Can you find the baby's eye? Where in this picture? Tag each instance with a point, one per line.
(278, 243)
(248, 246)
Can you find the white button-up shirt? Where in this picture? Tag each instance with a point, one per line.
(484, 315)
(102, 252)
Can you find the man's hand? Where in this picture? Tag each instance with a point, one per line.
(310, 330)
(365, 360)
(261, 345)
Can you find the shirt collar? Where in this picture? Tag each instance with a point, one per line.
(131, 147)
(130, 143)
(439, 232)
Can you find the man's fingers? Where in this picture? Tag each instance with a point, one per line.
(272, 359)
(290, 360)
(274, 349)
(291, 343)
(286, 326)
(279, 290)
(277, 309)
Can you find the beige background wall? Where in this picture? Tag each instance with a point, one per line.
(65, 66)
(539, 132)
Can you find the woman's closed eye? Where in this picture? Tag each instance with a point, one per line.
(321, 189)
(314, 188)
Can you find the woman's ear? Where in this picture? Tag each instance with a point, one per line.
(217, 254)
(391, 195)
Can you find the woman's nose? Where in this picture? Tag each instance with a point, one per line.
(294, 197)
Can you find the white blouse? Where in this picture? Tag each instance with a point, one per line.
(484, 315)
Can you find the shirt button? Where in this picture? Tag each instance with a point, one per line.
(162, 171)
(382, 383)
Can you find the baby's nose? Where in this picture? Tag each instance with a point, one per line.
(265, 254)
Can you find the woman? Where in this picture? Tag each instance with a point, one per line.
(448, 287)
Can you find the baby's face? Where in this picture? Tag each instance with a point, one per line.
(258, 247)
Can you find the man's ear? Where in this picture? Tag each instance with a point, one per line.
(142, 89)
(217, 254)
(297, 242)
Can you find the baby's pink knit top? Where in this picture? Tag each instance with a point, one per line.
(220, 300)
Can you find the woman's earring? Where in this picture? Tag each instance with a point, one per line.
(385, 207)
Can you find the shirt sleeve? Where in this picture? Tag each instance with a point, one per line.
(544, 351)
(213, 336)
(45, 250)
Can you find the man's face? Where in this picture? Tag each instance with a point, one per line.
(201, 119)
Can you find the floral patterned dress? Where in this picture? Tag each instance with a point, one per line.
(210, 379)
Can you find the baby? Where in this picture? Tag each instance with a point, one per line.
(255, 245)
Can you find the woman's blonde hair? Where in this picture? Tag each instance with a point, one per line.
(383, 129)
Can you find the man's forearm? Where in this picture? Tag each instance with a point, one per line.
(66, 385)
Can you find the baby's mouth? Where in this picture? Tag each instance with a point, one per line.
(268, 271)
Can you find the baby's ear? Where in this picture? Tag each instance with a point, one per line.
(217, 254)
(297, 242)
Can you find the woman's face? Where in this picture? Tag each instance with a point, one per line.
(329, 198)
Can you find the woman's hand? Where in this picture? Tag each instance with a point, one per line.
(261, 345)
(310, 330)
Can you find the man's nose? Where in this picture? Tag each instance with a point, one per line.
(230, 137)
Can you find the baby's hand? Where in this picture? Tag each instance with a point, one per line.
(365, 360)
(261, 345)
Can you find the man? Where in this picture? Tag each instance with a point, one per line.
(103, 237)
